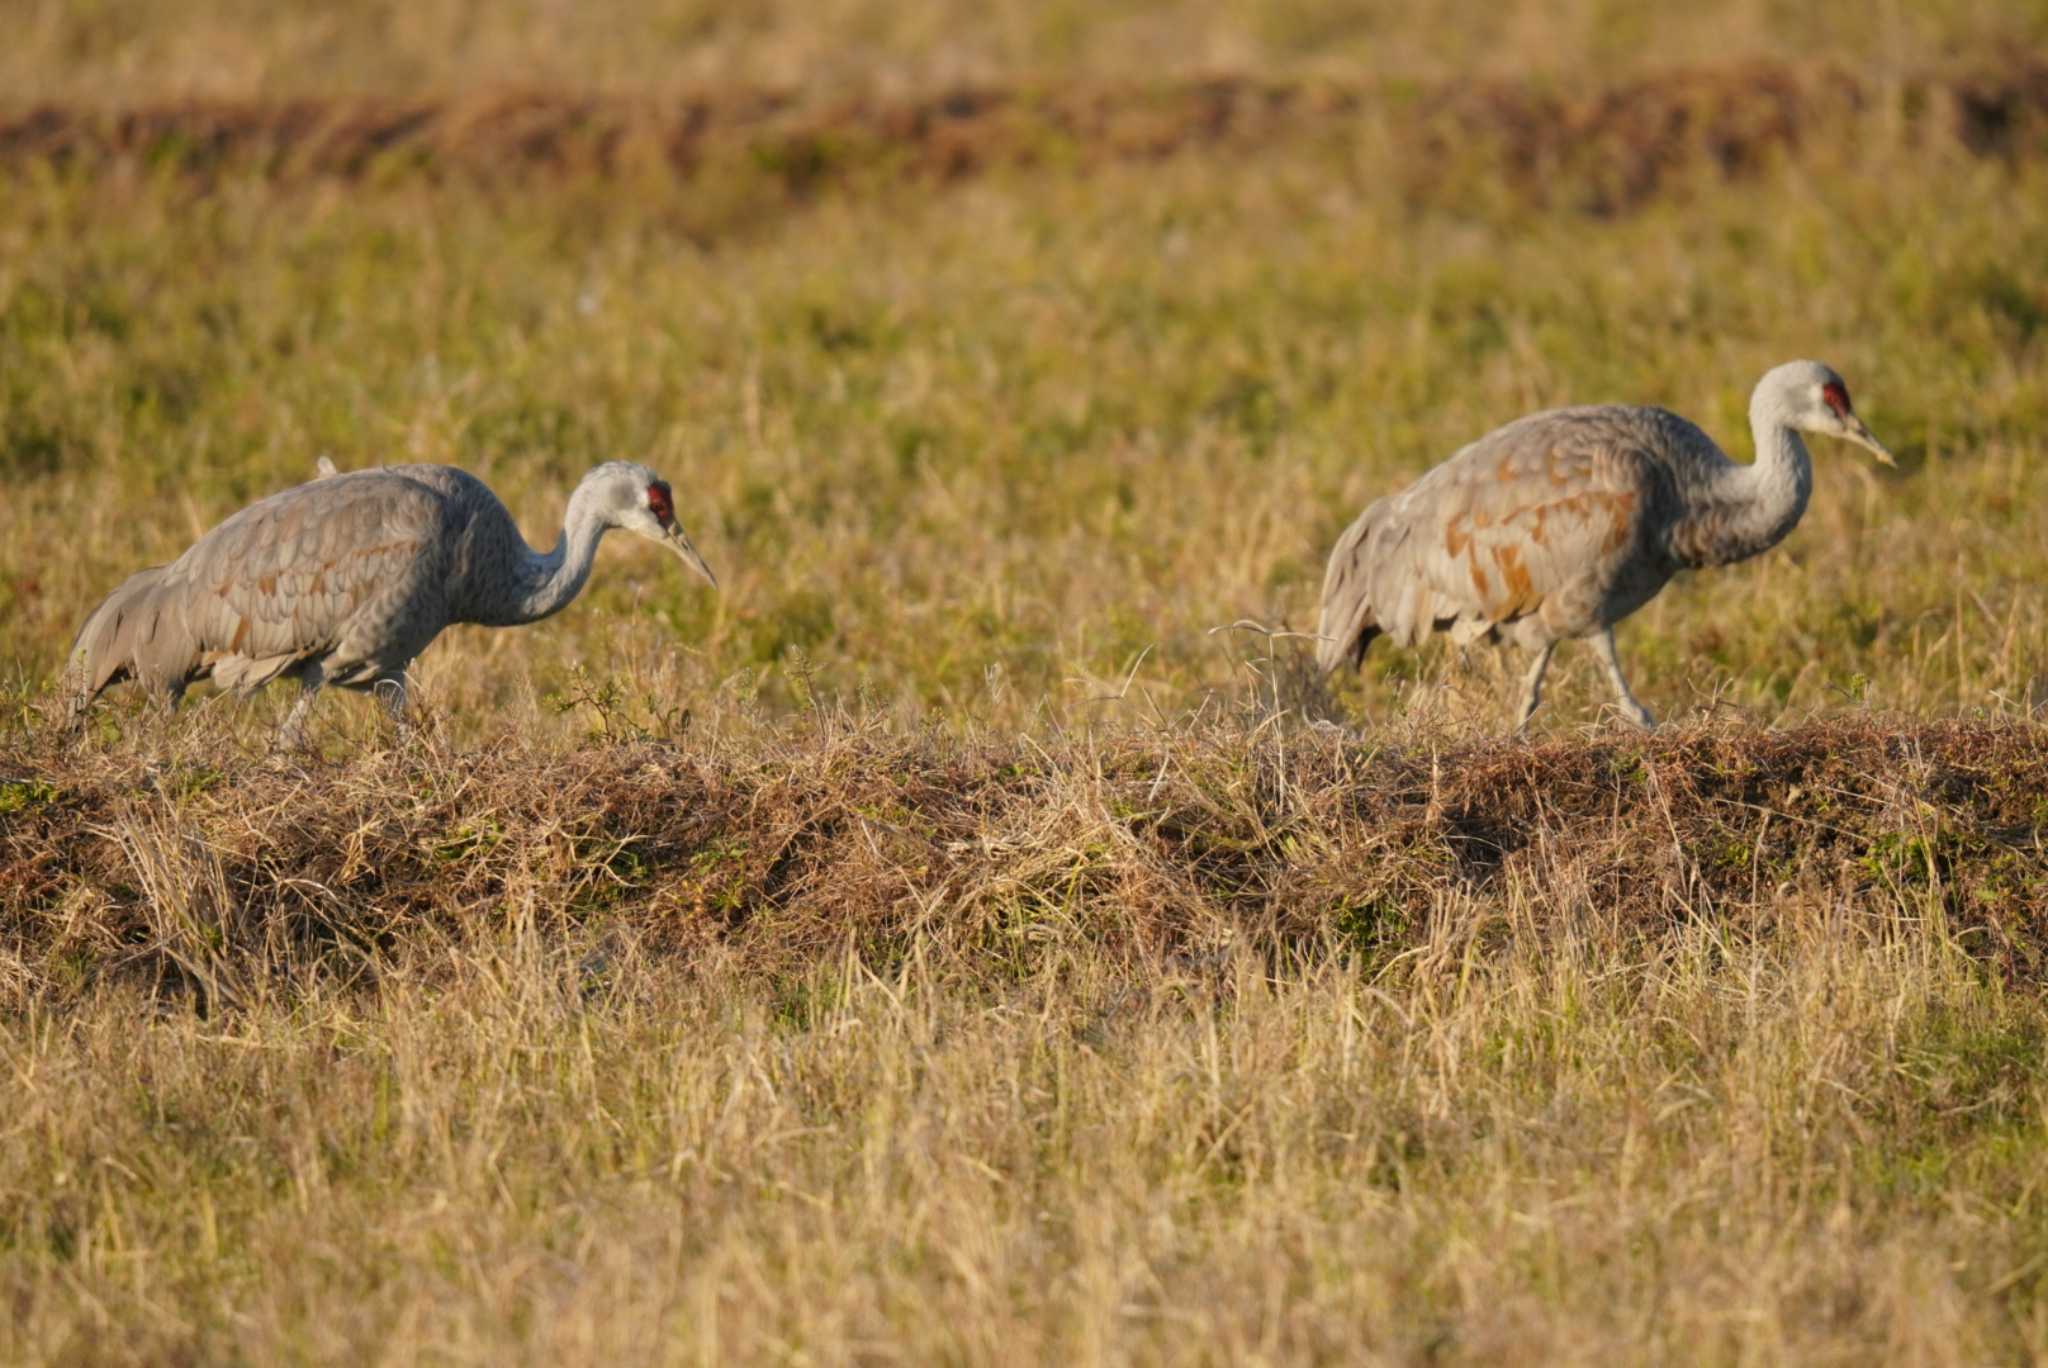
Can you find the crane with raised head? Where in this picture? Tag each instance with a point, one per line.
(345, 580)
(1562, 523)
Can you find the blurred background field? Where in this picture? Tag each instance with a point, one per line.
(105, 51)
(1022, 976)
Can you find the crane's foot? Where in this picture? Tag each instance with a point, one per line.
(288, 751)
(292, 763)
(405, 731)
(1610, 660)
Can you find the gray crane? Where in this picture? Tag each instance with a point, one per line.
(346, 579)
(1563, 523)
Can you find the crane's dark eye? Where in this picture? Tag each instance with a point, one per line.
(659, 504)
(1836, 396)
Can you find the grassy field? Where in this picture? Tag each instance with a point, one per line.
(945, 942)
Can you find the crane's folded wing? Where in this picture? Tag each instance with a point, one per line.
(1549, 504)
(329, 569)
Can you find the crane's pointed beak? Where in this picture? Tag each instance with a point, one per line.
(1854, 430)
(679, 542)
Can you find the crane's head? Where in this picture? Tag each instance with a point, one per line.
(1811, 397)
(635, 499)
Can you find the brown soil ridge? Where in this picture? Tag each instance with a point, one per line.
(1604, 149)
(989, 854)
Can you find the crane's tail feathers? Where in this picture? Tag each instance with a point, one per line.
(1348, 623)
(138, 632)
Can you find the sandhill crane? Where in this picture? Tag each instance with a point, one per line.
(1563, 523)
(346, 579)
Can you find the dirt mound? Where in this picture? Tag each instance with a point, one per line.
(992, 854)
(1603, 150)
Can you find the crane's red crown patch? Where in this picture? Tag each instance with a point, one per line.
(659, 503)
(1837, 396)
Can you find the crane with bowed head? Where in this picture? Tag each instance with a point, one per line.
(345, 580)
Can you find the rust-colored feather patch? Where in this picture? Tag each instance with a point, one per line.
(1515, 576)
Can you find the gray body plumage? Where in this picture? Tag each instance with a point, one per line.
(1562, 523)
(345, 580)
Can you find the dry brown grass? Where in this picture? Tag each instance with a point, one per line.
(1210, 1044)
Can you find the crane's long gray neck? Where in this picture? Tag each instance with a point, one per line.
(545, 582)
(1750, 508)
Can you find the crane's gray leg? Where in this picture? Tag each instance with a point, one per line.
(291, 733)
(1532, 684)
(1623, 699)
